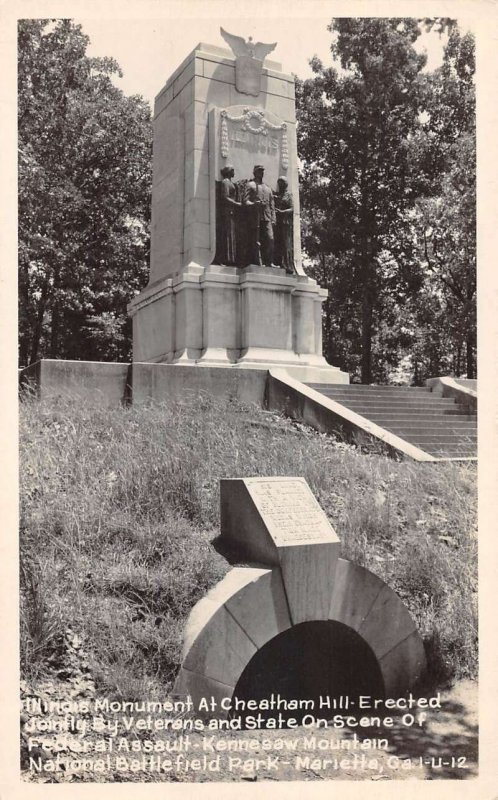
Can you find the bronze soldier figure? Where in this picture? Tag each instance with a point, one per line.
(260, 209)
(284, 234)
(227, 248)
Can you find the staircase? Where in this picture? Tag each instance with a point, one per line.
(439, 426)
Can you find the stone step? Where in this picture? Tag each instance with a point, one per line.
(386, 396)
(420, 416)
(458, 445)
(438, 426)
(460, 411)
(441, 441)
(446, 422)
(332, 390)
(450, 421)
(405, 408)
(421, 430)
(375, 407)
(436, 448)
(456, 421)
(452, 453)
(382, 397)
(361, 387)
(408, 408)
(422, 440)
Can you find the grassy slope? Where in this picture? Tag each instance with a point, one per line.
(119, 507)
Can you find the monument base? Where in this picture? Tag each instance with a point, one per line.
(252, 317)
(113, 384)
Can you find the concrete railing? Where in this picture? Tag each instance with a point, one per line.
(450, 387)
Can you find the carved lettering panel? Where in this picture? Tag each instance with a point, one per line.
(290, 511)
(252, 131)
(245, 136)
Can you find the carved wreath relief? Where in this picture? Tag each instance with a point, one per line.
(254, 122)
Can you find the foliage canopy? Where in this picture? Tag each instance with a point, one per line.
(379, 140)
(84, 197)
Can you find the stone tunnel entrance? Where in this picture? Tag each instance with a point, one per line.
(312, 660)
(296, 620)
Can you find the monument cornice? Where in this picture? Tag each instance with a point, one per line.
(219, 55)
(150, 294)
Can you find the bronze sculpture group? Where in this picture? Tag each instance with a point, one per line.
(254, 223)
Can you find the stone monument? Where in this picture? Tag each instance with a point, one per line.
(220, 293)
(294, 587)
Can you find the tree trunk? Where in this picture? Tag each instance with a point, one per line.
(469, 345)
(35, 343)
(458, 360)
(366, 304)
(366, 239)
(470, 331)
(366, 334)
(38, 327)
(54, 332)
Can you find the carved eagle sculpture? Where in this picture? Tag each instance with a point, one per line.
(241, 47)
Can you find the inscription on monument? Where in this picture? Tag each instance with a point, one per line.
(252, 131)
(240, 139)
(290, 511)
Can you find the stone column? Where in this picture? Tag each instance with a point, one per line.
(303, 315)
(220, 315)
(188, 316)
(266, 319)
(154, 324)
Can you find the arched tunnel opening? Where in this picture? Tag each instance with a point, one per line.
(310, 661)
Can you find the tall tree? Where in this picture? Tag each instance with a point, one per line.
(355, 131)
(445, 220)
(84, 196)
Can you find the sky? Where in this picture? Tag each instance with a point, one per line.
(149, 50)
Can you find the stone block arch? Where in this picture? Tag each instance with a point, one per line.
(250, 607)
